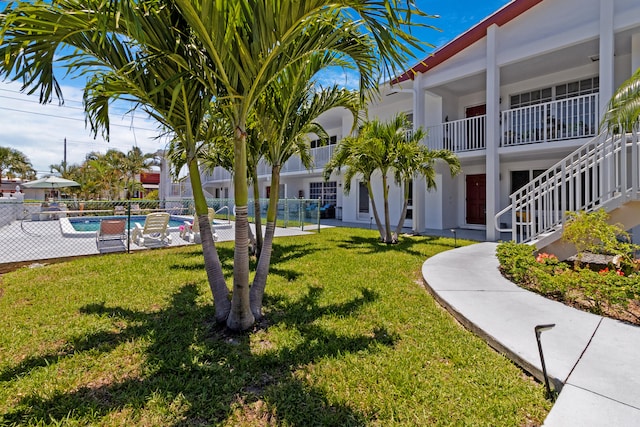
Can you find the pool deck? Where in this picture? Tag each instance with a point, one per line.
(38, 241)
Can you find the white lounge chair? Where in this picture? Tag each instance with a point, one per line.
(111, 235)
(190, 231)
(155, 231)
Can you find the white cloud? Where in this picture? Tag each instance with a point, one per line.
(343, 77)
(39, 130)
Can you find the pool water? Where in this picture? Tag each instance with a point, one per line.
(93, 224)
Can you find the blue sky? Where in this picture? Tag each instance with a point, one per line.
(455, 16)
(39, 131)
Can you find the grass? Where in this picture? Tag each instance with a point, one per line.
(351, 338)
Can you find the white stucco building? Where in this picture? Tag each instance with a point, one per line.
(511, 96)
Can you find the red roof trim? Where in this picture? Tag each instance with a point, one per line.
(475, 33)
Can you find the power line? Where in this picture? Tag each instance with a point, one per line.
(71, 118)
(25, 97)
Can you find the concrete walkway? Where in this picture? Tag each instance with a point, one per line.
(594, 361)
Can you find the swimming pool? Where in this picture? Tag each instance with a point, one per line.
(93, 223)
(87, 226)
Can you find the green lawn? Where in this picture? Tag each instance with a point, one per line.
(351, 338)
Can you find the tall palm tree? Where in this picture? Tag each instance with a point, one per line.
(288, 110)
(247, 47)
(385, 148)
(174, 57)
(413, 159)
(134, 163)
(139, 51)
(372, 150)
(623, 109)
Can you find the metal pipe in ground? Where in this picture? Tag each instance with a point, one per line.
(539, 329)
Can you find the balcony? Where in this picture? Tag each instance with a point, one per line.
(458, 135)
(570, 118)
(180, 189)
(320, 157)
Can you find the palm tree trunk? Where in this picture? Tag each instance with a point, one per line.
(404, 209)
(257, 212)
(262, 270)
(212, 264)
(387, 220)
(240, 318)
(375, 211)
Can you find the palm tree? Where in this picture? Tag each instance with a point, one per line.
(354, 154)
(139, 51)
(174, 57)
(288, 110)
(414, 159)
(373, 150)
(60, 169)
(134, 163)
(14, 163)
(256, 147)
(386, 147)
(247, 47)
(623, 109)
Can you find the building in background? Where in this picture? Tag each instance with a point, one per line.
(512, 96)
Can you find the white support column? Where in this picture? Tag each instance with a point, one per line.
(419, 187)
(635, 52)
(493, 133)
(606, 53)
(164, 189)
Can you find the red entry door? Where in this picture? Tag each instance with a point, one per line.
(475, 129)
(478, 110)
(476, 199)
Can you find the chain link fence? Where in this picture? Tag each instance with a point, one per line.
(31, 231)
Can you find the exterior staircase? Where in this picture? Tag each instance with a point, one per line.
(602, 174)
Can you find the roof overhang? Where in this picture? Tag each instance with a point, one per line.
(502, 16)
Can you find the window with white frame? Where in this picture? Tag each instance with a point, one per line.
(327, 192)
(561, 91)
(573, 114)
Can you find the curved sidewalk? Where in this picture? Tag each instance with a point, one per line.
(594, 361)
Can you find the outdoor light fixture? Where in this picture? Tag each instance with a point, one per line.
(455, 238)
(539, 330)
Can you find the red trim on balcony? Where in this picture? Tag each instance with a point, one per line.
(466, 39)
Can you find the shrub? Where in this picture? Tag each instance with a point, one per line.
(591, 232)
(610, 290)
(515, 260)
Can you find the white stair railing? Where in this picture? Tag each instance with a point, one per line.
(603, 173)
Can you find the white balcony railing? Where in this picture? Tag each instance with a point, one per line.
(320, 157)
(558, 120)
(458, 135)
(183, 190)
(180, 189)
(551, 121)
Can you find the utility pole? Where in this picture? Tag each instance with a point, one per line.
(64, 159)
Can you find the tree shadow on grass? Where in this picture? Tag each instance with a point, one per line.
(373, 245)
(194, 373)
(281, 254)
